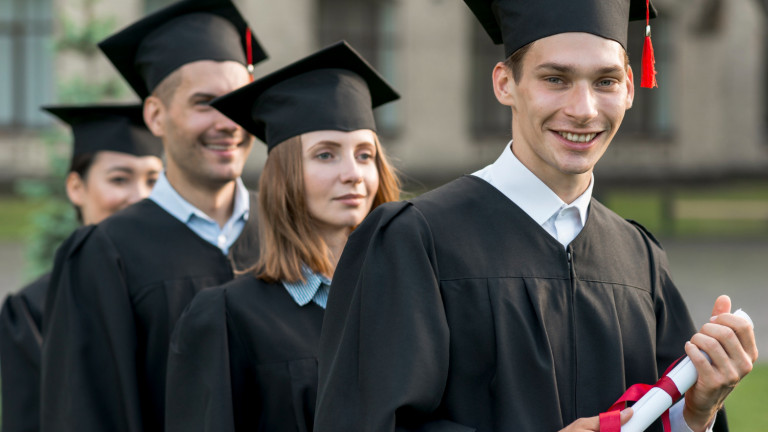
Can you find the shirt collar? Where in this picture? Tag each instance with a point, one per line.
(166, 197)
(521, 186)
(304, 292)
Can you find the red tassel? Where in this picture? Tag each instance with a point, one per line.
(249, 52)
(648, 73)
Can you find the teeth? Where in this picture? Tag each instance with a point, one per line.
(219, 147)
(578, 137)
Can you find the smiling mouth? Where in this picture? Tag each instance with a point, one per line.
(222, 146)
(579, 138)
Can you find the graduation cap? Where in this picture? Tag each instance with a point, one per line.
(191, 30)
(332, 89)
(118, 128)
(516, 23)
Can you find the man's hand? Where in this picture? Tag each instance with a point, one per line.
(592, 424)
(730, 343)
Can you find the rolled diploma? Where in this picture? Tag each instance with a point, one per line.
(653, 404)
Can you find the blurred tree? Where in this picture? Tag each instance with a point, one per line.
(56, 218)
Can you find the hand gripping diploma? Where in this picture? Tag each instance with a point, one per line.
(719, 356)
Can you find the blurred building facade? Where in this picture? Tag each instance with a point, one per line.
(708, 118)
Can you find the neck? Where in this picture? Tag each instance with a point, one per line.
(569, 189)
(335, 240)
(567, 186)
(217, 202)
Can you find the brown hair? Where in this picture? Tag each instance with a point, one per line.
(288, 237)
(514, 62)
(167, 87)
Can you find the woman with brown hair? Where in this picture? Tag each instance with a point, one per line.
(244, 355)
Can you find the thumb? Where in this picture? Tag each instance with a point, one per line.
(722, 305)
(626, 414)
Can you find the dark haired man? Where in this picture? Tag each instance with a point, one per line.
(510, 300)
(118, 288)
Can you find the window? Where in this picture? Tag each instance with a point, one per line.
(371, 28)
(489, 118)
(26, 62)
(651, 114)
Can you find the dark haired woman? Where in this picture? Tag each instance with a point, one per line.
(115, 162)
(243, 355)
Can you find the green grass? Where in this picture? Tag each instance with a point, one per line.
(747, 406)
(16, 214)
(647, 207)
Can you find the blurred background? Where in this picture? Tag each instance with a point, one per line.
(690, 161)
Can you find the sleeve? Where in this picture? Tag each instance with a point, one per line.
(198, 385)
(383, 359)
(20, 367)
(674, 325)
(89, 380)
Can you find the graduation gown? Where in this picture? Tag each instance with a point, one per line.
(20, 340)
(116, 293)
(458, 312)
(244, 358)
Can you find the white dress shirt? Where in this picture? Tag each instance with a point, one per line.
(562, 221)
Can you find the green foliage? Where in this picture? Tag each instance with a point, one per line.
(79, 91)
(54, 219)
(83, 39)
(746, 405)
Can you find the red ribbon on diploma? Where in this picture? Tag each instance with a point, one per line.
(610, 421)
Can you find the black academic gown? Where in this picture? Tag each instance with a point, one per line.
(458, 312)
(115, 295)
(244, 358)
(20, 342)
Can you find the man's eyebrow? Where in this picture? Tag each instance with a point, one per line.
(608, 70)
(563, 68)
(203, 95)
(555, 66)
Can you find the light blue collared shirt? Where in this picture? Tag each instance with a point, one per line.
(315, 288)
(200, 223)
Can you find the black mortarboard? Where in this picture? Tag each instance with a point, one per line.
(516, 23)
(332, 89)
(150, 49)
(118, 128)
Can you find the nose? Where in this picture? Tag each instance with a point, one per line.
(224, 123)
(581, 104)
(140, 191)
(351, 171)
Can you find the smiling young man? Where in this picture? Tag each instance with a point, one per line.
(118, 288)
(511, 300)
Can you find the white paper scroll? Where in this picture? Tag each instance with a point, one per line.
(653, 404)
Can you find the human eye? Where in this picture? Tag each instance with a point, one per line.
(366, 156)
(202, 103)
(119, 180)
(554, 80)
(607, 83)
(151, 182)
(324, 155)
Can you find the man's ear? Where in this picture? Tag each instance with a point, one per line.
(75, 189)
(630, 87)
(503, 83)
(154, 115)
